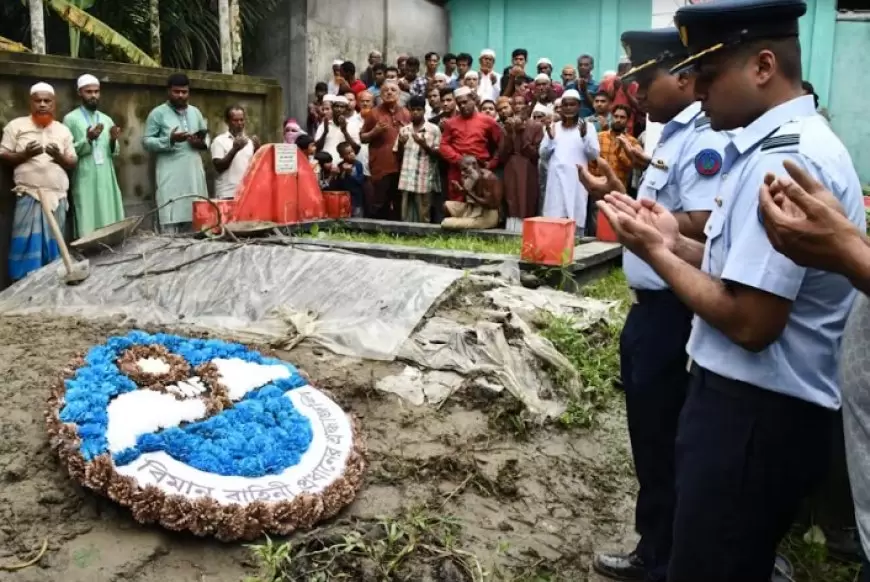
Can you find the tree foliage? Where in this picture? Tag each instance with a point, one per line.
(189, 30)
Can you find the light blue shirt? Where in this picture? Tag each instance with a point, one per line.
(802, 362)
(674, 180)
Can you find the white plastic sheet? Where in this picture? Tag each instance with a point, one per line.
(352, 304)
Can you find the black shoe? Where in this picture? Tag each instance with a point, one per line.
(622, 567)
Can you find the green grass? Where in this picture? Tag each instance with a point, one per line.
(594, 351)
(457, 242)
(812, 563)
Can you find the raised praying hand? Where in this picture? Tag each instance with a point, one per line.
(599, 186)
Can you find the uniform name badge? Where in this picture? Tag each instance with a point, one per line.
(99, 154)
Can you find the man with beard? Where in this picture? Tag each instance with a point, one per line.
(654, 374)
(754, 436)
(519, 152)
(468, 134)
(41, 151)
(96, 196)
(341, 126)
(567, 144)
(617, 146)
(176, 133)
(489, 83)
(481, 198)
(380, 132)
(231, 153)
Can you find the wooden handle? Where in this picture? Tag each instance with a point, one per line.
(55, 230)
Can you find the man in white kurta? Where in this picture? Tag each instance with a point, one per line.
(567, 144)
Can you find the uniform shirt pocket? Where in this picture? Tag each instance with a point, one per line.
(715, 251)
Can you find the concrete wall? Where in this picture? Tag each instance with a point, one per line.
(128, 95)
(302, 39)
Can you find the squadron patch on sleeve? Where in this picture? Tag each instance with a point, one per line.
(708, 162)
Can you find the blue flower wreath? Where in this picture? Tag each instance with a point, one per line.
(263, 434)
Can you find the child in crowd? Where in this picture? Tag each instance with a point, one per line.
(417, 146)
(328, 173)
(351, 177)
(308, 148)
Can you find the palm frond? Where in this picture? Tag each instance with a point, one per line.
(12, 46)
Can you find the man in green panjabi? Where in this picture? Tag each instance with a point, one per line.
(96, 196)
(176, 133)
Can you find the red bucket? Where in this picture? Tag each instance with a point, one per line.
(204, 214)
(337, 204)
(603, 229)
(548, 241)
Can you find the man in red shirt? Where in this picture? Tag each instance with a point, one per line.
(348, 74)
(468, 134)
(380, 131)
(622, 94)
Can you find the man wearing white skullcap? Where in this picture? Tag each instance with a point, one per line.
(567, 144)
(468, 134)
(41, 152)
(95, 190)
(472, 81)
(339, 125)
(489, 84)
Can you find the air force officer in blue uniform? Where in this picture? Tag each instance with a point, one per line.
(754, 433)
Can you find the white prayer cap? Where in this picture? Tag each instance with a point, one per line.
(624, 60)
(542, 77)
(487, 53)
(42, 88)
(570, 94)
(609, 74)
(341, 99)
(541, 108)
(558, 102)
(471, 75)
(329, 98)
(462, 92)
(86, 80)
(545, 61)
(442, 77)
(337, 63)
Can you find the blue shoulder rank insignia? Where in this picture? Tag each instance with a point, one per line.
(702, 121)
(781, 141)
(708, 162)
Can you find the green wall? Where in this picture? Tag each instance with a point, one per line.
(560, 30)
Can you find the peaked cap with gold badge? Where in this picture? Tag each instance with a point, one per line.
(712, 26)
(660, 47)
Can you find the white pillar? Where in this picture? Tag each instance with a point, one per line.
(37, 27)
(236, 34)
(226, 37)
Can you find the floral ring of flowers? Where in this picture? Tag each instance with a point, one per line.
(204, 436)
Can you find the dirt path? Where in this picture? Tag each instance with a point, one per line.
(525, 496)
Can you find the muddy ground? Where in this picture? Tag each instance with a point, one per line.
(527, 498)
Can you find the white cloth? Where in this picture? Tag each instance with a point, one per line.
(363, 155)
(227, 182)
(86, 80)
(565, 195)
(335, 136)
(487, 89)
(42, 88)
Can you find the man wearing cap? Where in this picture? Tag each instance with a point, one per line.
(542, 91)
(754, 437)
(176, 133)
(489, 86)
(567, 144)
(468, 134)
(653, 341)
(41, 151)
(341, 126)
(545, 66)
(95, 190)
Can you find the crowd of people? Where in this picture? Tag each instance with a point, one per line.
(396, 137)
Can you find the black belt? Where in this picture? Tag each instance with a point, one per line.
(649, 295)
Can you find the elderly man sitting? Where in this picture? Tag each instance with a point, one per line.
(483, 194)
(41, 151)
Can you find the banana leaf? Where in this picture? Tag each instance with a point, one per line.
(75, 35)
(12, 46)
(100, 31)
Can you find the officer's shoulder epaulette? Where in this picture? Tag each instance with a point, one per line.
(781, 141)
(702, 121)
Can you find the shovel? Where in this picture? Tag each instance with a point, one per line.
(75, 272)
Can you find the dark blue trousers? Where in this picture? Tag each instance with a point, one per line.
(653, 363)
(746, 459)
